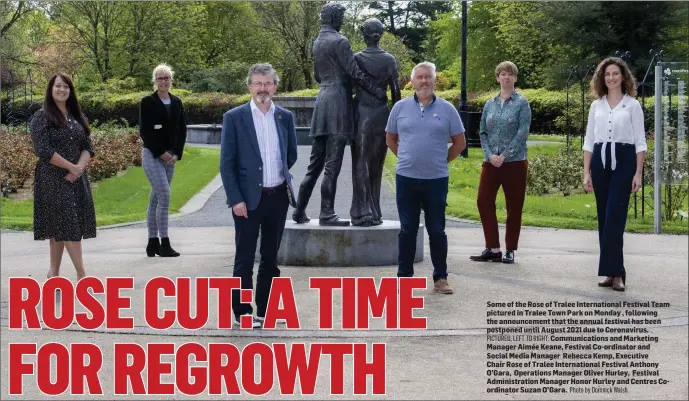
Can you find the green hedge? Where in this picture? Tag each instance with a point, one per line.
(548, 107)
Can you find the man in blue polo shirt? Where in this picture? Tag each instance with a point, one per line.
(417, 133)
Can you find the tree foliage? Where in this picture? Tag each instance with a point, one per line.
(210, 44)
(408, 20)
(545, 38)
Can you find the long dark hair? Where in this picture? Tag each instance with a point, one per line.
(598, 88)
(53, 114)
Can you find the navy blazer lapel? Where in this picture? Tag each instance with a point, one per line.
(281, 132)
(250, 129)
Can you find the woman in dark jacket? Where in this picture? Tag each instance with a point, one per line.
(163, 129)
(63, 205)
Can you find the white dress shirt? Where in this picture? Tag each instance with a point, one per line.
(622, 124)
(269, 145)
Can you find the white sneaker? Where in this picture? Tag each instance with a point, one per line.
(255, 322)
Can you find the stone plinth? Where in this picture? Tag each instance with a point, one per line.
(301, 107)
(313, 245)
(204, 133)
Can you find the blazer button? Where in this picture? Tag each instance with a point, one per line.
(260, 168)
(260, 185)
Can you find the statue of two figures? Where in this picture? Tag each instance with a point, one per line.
(339, 119)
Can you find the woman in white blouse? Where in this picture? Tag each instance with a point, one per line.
(614, 151)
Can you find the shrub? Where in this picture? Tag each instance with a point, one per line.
(228, 78)
(17, 159)
(539, 178)
(115, 150)
(442, 82)
(559, 173)
(548, 107)
(674, 176)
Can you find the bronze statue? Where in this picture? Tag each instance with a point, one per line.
(332, 124)
(371, 116)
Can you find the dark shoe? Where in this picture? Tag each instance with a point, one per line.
(255, 322)
(333, 221)
(366, 221)
(488, 256)
(377, 222)
(300, 217)
(153, 247)
(618, 284)
(508, 257)
(165, 248)
(605, 283)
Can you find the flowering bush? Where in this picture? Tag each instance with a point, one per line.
(674, 177)
(17, 160)
(115, 149)
(114, 152)
(555, 173)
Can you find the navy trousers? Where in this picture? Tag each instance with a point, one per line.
(612, 189)
(269, 219)
(430, 195)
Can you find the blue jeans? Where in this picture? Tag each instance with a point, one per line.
(430, 195)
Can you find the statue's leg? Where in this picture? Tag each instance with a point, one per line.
(360, 211)
(314, 170)
(376, 150)
(334, 150)
(376, 162)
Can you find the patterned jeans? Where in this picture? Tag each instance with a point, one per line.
(159, 175)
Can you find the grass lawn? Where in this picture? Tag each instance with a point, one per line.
(577, 211)
(125, 198)
(550, 138)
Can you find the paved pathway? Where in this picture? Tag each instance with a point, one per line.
(446, 361)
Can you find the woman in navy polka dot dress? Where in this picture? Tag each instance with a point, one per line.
(63, 204)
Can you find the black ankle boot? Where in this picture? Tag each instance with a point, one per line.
(153, 247)
(165, 248)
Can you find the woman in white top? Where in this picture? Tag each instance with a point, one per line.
(614, 151)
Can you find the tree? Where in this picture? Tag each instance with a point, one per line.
(409, 21)
(295, 24)
(482, 53)
(22, 27)
(598, 29)
(12, 31)
(144, 28)
(544, 38)
(98, 29)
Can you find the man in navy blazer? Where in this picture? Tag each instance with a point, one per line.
(258, 147)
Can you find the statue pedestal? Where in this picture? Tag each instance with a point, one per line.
(204, 133)
(311, 244)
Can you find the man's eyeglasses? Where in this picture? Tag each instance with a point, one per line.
(163, 79)
(263, 84)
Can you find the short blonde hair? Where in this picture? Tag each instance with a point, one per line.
(507, 66)
(161, 68)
